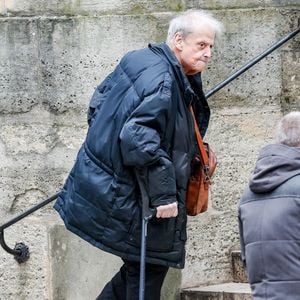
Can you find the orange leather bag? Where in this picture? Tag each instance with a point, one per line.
(203, 168)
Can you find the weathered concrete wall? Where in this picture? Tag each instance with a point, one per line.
(53, 54)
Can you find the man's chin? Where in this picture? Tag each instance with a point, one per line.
(200, 67)
(196, 71)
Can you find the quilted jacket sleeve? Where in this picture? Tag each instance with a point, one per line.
(141, 140)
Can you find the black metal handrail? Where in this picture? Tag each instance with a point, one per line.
(21, 251)
(251, 63)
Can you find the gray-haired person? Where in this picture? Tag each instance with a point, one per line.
(139, 120)
(269, 217)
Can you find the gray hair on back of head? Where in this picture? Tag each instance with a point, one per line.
(288, 130)
(188, 21)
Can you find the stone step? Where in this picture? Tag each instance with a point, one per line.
(224, 291)
(238, 270)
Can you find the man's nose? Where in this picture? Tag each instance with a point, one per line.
(208, 52)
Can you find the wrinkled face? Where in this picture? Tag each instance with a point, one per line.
(194, 50)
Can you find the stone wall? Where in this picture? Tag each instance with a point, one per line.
(53, 54)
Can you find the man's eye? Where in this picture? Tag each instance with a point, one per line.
(202, 45)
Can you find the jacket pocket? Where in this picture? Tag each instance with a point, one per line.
(160, 234)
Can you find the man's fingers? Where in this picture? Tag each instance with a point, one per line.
(167, 211)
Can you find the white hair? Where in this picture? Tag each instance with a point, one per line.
(288, 130)
(188, 21)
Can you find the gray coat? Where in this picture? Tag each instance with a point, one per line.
(269, 219)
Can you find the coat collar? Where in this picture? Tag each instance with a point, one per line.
(166, 53)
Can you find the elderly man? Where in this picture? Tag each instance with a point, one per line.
(269, 216)
(139, 120)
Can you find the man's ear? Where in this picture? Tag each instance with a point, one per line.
(178, 41)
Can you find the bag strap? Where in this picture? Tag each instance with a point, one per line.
(200, 141)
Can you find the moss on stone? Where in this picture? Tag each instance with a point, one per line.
(176, 5)
(68, 9)
(137, 9)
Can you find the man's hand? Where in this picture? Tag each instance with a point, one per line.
(167, 211)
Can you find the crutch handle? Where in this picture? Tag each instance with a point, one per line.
(149, 214)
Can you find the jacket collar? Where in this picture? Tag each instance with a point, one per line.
(166, 53)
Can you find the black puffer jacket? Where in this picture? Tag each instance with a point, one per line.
(138, 119)
(269, 217)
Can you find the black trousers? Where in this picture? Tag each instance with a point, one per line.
(125, 284)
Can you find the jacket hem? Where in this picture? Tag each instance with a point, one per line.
(99, 245)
